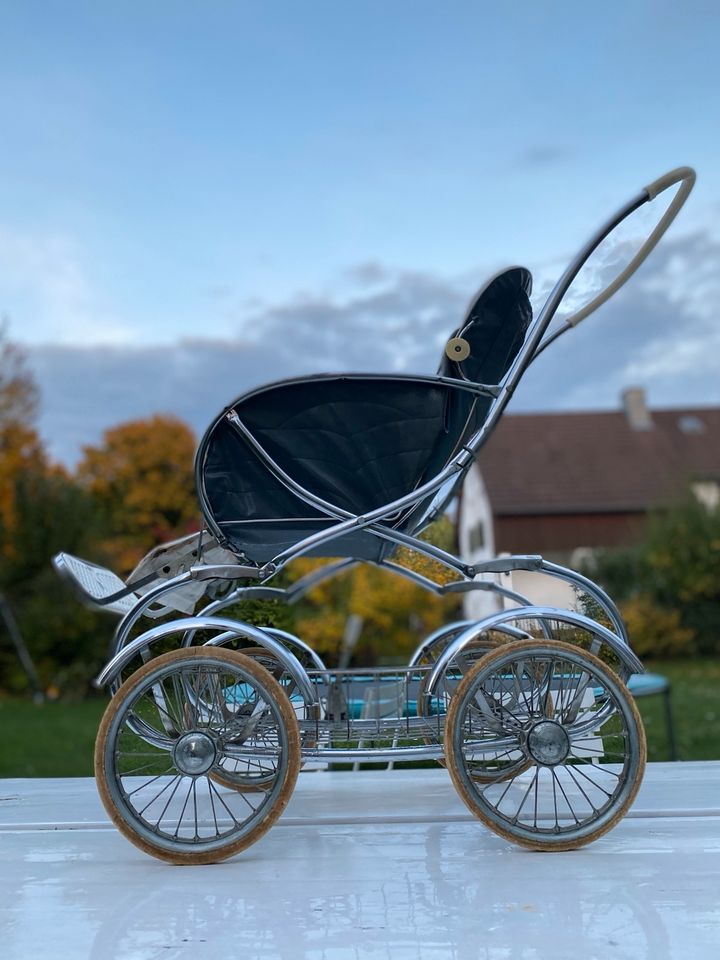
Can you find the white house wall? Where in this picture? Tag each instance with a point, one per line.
(477, 543)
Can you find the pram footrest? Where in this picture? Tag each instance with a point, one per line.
(95, 585)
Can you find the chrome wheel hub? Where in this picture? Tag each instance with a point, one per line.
(548, 743)
(194, 754)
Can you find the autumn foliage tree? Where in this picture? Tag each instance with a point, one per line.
(395, 612)
(134, 490)
(141, 479)
(20, 447)
(42, 511)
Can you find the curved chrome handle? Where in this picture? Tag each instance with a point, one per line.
(683, 175)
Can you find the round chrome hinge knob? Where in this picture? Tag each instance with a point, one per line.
(457, 349)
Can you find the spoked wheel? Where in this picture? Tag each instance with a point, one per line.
(251, 775)
(507, 764)
(577, 727)
(165, 732)
(437, 705)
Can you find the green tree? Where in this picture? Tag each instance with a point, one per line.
(68, 642)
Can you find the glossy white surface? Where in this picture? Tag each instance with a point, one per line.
(366, 865)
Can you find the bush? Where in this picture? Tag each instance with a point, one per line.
(668, 585)
(655, 631)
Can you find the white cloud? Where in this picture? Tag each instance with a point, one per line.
(661, 331)
(47, 291)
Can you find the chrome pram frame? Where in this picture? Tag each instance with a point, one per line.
(468, 672)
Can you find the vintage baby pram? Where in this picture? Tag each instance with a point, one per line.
(200, 746)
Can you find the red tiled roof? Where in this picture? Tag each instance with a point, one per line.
(595, 462)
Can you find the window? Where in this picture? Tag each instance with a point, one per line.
(476, 536)
(689, 423)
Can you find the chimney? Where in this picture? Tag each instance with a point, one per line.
(636, 411)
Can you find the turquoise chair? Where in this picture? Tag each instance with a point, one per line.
(652, 684)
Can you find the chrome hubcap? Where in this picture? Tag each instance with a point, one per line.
(194, 754)
(548, 743)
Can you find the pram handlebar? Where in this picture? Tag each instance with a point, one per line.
(678, 175)
(685, 176)
(538, 338)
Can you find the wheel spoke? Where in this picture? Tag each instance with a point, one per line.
(565, 796)
(578, 768)
(177, 780)
(571, 773)
(525, 796)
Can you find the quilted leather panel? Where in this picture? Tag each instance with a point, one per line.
(359, 443)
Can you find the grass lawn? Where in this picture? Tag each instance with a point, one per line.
(56, 739)
(696, 710)
(50, 740)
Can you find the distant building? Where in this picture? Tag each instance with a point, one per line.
(564, 484)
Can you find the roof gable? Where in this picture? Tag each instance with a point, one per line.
(596, 462)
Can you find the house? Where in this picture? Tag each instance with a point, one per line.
(564, 484)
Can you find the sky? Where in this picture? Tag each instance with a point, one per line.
(197, 197)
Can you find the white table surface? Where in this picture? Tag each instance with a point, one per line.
(366, 865)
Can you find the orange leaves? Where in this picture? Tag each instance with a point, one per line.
(20, 447)
(20, 453)
(656, 631)
(141, 478)
(18, 390)
(396, 613)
